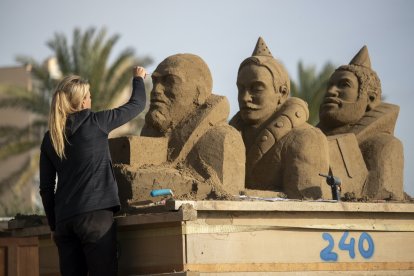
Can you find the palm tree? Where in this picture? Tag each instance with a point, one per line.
(311, 87)
(88, 56)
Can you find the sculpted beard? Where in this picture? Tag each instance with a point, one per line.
(344, 114)
(159, 118)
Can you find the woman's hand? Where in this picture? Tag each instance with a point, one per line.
(139, 71)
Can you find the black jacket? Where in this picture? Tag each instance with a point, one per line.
(86, 181)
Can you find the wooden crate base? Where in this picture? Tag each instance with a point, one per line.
(19, 256)
(194, 238)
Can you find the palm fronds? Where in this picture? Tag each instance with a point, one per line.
(311, 87)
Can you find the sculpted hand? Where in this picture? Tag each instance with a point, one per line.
(138, 71)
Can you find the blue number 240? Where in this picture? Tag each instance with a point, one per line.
(327, 254)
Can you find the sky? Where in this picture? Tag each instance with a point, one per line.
(224, 33)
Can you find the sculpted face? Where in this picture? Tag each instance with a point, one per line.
(172, 96)
(257, 96)
(342, 105)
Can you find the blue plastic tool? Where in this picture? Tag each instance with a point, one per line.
(161, 192)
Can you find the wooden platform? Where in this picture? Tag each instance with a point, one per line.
(19, 256)
(259, 238)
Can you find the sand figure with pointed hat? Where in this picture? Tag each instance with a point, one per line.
(283, 152)
(186, 144)
(352, 110)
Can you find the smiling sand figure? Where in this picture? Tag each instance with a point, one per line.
(352, 107)
(283, 152)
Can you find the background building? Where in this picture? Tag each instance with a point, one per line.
(18, 189)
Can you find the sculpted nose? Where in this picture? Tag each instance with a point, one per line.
(332, 91)
(157, 88)
(244, 96)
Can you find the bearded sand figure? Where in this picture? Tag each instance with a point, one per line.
(352, 107)
(283, 152)
(202, 154)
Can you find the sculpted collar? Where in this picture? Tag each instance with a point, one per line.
(382, 119)
(293, 113)
(214, 111)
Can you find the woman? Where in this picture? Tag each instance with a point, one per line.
(80, 211)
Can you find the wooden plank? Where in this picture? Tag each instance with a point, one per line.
(28, 260)
(183, 273)
(11, 241)
(315, 273)
(21, 256)
(48, 257)
(12, 261)
(307, 220)
(205, 229)
(183, 214)
(291, 267)
(154, 250)
(292, 246)
(3, 260)
(294, 206)
(31, 231)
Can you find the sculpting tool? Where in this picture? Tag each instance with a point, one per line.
(161, 192)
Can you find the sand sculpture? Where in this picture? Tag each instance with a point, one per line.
(283, 152)
(186, 144)
(360, 128)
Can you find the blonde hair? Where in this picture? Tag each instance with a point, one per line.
(67, 99)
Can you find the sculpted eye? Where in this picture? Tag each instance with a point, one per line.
(344, 83)
(168, 80)
(258, 87)
(171, 80)
(155, 79)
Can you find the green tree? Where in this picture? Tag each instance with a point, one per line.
(311, 87)
(89, 57)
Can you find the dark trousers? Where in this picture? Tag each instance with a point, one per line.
(87, 244)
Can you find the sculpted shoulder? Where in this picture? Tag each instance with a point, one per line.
(307, 135)
(293, 114)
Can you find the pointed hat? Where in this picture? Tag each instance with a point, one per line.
(362, 58)
(261, 56)
(261, 49)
